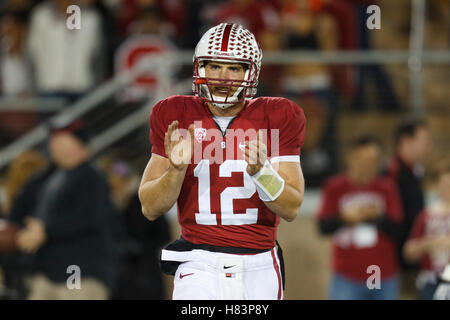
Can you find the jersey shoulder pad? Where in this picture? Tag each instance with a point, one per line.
(282, 107)
(278, 108)
(174, 107)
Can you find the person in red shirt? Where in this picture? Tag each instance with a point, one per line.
(257, 16)
(429, 241)
(231, 164)
(362, 211)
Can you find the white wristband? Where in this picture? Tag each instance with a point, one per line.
(269, 183)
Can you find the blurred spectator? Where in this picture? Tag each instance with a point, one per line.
(347, 39)
(305, 27)
(140, 276)
(104, 61)
(15, 73)
(196, 21)
(148, 37)
(257, 16)
(429, 241)
(412, 145)
(269, 79)
(20, 5)
(149, 20)
(29, 195)
(260, 17)
(367, 73)
(64, 61)
(443, 289)
(19, 175)
(362, 211)
(123, 182)
(19, 266)
(73, 224)
(139, 273)
(20, 171)
(170, 15)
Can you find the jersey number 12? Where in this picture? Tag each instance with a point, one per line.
(228, 217)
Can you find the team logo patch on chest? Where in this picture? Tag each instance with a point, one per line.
(200, 134)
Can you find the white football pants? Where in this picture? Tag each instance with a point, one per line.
(205, 275)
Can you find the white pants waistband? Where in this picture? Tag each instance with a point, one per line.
(250, 262)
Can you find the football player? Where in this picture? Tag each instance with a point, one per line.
(232, 165)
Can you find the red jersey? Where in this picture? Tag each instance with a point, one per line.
(357, 247)
(433, 221)
(218, 203)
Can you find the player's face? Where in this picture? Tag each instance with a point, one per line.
(422, 143)
(62, 147)
(363, 162)
(226, 71)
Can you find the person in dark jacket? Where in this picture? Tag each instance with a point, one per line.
(19, 265)
(71, 229)
(413, 143)
(140, 277)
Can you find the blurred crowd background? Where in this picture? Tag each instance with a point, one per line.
(49, 73)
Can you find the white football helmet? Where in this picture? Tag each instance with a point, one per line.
(227, 42)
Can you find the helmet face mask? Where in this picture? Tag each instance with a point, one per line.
(238, 90)
(237, 45)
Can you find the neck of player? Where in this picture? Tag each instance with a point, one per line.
(228, 112)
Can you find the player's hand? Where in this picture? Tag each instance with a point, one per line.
(179, 149)
(351, 214)
(359, 213)
(369, 212)
(255, 154)
(32, 237)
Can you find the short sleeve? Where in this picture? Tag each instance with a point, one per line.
(158, 129)
(290, 120)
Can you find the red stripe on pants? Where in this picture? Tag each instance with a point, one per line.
(277, 270)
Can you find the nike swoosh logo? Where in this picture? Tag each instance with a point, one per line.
(185, 275)
(228, 267)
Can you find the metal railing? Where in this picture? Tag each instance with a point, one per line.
(415, 58)
(33, 104)
(132, 121)
(120, 81)
(67, 115)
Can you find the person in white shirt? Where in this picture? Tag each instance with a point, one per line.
(63, 59)
(14, 71)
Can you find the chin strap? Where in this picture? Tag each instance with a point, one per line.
(215, 100)
(233, 100)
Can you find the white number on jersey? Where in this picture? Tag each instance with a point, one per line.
(228, 217)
